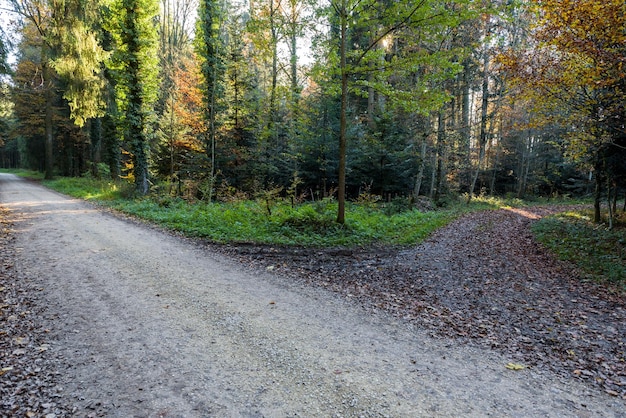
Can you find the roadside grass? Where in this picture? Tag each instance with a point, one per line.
(598, 252)
(309, 224)
(34, 175)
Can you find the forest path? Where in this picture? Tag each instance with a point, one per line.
(149, 325)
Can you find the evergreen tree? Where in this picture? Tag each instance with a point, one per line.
(209, 47)
(136, 61)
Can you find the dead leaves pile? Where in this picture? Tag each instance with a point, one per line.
(482, 280)
(28, 371)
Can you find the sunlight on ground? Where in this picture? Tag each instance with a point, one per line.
(523, 213)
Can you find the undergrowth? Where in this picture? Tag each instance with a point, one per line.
(307, 224)
(599, 253)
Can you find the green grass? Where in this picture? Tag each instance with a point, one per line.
(87, 188)
(310, 224)
(35, 175)
(598, 252)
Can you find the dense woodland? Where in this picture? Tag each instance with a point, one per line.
(234, 99)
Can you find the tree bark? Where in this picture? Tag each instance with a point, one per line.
(420, 174)
(341, 186)
(48, 126)
(441, 140)
(597, 202)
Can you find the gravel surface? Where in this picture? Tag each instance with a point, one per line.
(126, 320)
(481, 280)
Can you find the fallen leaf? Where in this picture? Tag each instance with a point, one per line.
(515, 366)
(5, 369)
(21, 340)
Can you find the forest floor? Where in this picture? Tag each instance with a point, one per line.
(484, 280)
(105, 316)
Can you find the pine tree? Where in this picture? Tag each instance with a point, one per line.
(209, 47)
(138, 75)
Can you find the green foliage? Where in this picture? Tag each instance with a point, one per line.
(86, 188)
(79, 61)
(598, 252)
(135, 65)
(310, 224)
(29, 174)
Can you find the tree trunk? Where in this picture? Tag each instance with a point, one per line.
(482, 140)
(441, 140)
(420, 174)
(48, 126)
(609, 201)
(95, 145)
(343, 122)
(597, 218)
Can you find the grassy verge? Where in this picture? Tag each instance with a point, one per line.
(35, 175)
(309, 224)
(599, 253)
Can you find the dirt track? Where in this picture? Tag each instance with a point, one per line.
(146, 324)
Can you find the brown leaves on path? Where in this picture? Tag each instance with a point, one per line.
(483, 279)
(29, 370)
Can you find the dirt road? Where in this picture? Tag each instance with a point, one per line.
(149, 325)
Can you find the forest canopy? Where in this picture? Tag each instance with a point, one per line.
(336, 99)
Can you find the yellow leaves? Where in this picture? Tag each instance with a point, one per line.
(515, 366)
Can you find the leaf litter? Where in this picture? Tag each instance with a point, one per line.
(481, 280)
(29, 370)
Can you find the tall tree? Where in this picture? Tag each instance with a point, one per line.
(572, 70)
(209, 47)
(381, 24)
(69, 49)
(135, 60)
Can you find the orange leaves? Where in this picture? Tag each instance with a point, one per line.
(188, 81)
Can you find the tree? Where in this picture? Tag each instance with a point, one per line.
(70, 51)
(135, 62)
(382, 24)
(210, 50)
(572, 70)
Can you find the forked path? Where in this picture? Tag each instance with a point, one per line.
(148, 324)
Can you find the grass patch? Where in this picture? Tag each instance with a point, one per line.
(87, 188)
(30, 174)
(311, 224)
(598, 252)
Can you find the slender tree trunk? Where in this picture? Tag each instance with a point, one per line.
(482, 140)
(341, 187)
(441, 140)
(609, 201)
(433, 175)
(420, 174)
(95, 145)
(273, 91)
(48, 126)
(465, 110)
(597, 202)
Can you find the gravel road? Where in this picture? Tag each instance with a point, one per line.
(146, 324)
